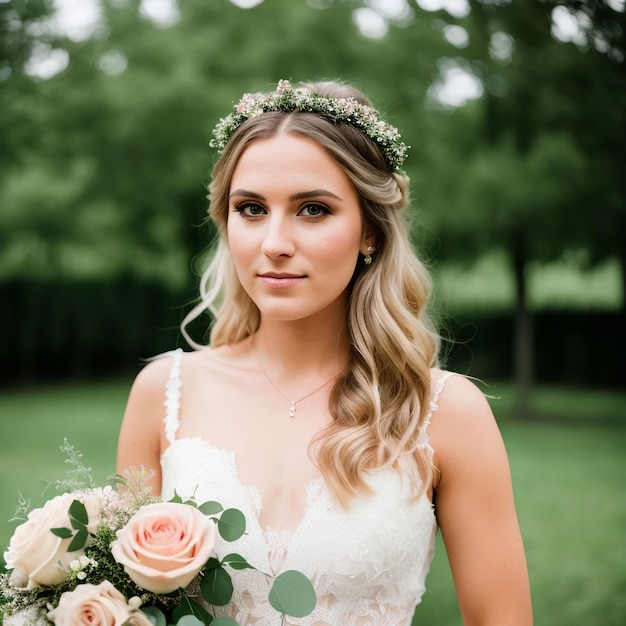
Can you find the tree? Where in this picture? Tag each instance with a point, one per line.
(110, 153)
(542, 149)
(106, 161)
(19, 21)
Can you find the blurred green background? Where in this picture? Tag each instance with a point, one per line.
(515, 112)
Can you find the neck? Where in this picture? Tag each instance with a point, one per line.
(291, 351)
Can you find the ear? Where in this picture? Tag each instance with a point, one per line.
(368, 240)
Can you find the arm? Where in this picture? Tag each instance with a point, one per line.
(476, 511)
(142, 434)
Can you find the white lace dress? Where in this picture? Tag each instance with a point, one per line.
(368, 563)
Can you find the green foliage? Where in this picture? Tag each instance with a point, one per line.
(79, 540)
(110, 180)
(105, 164)
(216, 586)
(110, 154)
(231, 524)
(544, 150)
(211, 508)
(155, 615)
(190, 608)
(292, 594)
(236, 561)
(192, 620)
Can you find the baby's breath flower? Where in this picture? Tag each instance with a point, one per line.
(288, 99)
(80, 564)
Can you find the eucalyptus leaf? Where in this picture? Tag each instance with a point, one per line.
(180, 611)
(76, 525)
(236, 561)
(176, 499)
(232, 524)
(212, 563)
(79, 541)
(79, 512)
(292, 594)
(188, 606)
(64, 533)
(211, 507)
(217, 586)
(155, 615)
(200, 612)
(190, 620)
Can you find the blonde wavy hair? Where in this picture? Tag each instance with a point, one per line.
(380, 403)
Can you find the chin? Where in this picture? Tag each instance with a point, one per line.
(292, 312)
(281, 315)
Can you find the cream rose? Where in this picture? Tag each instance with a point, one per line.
(164, 545)
(96, 605)
(36, 555)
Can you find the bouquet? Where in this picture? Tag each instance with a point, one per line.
(111, 556)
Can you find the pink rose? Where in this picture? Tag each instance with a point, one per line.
(36, 555)
(96, 605)
(164, 546)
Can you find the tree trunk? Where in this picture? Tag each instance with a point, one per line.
(523, 349)
(622, 263)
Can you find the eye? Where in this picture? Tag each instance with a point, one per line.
(314, 210)
(249, 209)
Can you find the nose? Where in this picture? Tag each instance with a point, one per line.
(278, 239)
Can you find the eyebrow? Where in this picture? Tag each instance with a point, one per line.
(314, 193)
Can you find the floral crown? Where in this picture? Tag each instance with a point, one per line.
(287, 99)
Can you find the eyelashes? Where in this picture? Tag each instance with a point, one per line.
(314, 209)
(253, 210)
(249, 209)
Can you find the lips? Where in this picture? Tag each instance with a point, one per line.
(280, 275)
(281, 280)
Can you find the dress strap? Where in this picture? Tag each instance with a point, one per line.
(434, 397)
(424, 439)
(172, 396)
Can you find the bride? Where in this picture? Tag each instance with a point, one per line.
(318, 409)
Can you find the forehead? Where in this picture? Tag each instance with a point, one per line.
(289, 158)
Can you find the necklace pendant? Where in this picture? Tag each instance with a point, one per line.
(292, 409)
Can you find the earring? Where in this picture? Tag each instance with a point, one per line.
(368, 257)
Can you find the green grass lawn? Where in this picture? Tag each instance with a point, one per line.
(569, 478)
(488, 284)
(33, 424)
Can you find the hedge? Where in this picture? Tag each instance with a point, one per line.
(78, 330)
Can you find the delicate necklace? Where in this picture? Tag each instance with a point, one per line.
(292, 403)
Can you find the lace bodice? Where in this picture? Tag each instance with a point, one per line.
(368, 563)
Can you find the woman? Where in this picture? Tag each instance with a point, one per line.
(318, 409)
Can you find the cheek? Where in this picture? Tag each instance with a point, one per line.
(240, 245)
(339, 251)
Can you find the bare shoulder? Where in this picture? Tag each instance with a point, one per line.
(203, 374)
(158, 369)
(459, 398)
(148, 391)
(237, 355)
(141, 434)
(152, 379)
(463, 426)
